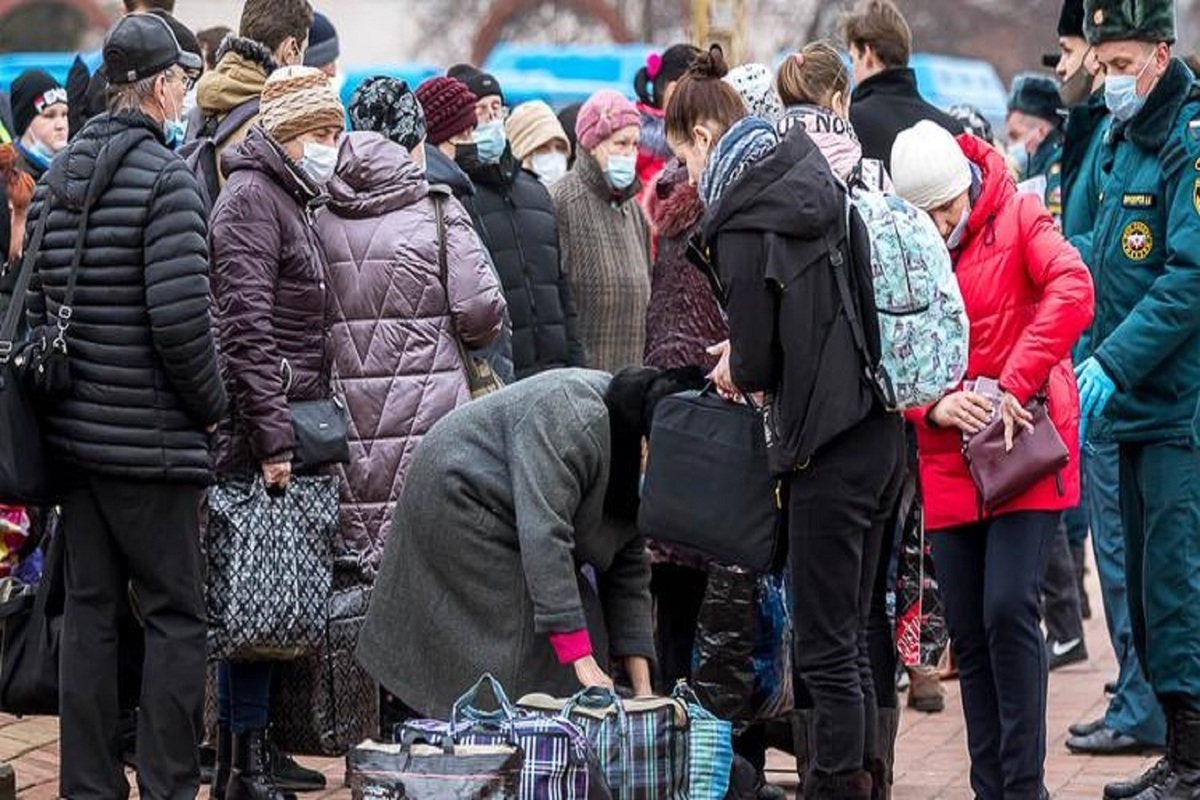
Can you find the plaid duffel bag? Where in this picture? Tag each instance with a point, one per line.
(558, 760)
(641, 744)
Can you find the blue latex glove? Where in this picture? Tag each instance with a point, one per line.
(1095, 390)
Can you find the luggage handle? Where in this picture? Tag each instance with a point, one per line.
(464, 709)
(710, 390)
(410, 737)
(599, 698)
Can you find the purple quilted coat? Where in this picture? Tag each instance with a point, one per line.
(268, 279)
(393, 326)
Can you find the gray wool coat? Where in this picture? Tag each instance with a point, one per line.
(502, 507)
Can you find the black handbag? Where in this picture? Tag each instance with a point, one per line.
(30, 635)
(24, 464)
(709, 488)
(320, 428)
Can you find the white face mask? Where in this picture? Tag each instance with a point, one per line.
(549, 167)
(319, 162)
(956, 235)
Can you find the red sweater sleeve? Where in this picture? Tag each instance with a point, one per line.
(571, 646)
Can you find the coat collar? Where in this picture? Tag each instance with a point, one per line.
(1151, 128)
(1082, 123)
(896, 81)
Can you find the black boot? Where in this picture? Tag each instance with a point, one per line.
(290, 776)
(881, 765)
(250, 778)
(1151, 784)
(222, 764)
(840, 786)
(1185, 756)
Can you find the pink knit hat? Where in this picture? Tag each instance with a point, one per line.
(605, 113)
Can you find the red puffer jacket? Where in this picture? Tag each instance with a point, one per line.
(1029, 298)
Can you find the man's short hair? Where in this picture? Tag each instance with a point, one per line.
(133, 6)
(878, 24)
(271, 22)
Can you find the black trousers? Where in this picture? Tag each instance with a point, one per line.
(119, 533)
(990, 577)
(838, 509)
(678, 595)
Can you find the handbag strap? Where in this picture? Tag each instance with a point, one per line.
(12, 318)
(438, 194)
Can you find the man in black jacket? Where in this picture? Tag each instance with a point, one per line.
(125, 215)
(515, 218)
(885, 100)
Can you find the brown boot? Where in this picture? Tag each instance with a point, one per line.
(925, 691)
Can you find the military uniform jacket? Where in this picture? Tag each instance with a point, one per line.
(1145, 257)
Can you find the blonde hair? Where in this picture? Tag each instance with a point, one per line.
(813, 76)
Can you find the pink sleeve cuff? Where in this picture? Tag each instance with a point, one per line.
(571, 646)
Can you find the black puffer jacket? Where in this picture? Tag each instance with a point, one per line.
(888, 103)
(144, 375)
(515, 218)
(774, 236)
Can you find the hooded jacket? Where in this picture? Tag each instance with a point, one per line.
(774, 235)
(836, 139)
(884, 105)
(395, 323)
(1028, 297)
(243, 66)
(269, 281)
(684, 317)
(516, 221)
(144, 376)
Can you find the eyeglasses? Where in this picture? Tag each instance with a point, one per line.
(188, 79)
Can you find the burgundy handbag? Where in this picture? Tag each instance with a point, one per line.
(1003, 476)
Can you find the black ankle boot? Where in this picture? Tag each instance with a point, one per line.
(222, 765)
(250, 778)
(1185, 755)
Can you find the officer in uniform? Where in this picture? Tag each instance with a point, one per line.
(1133, 721)
(1143, 370)
(1034, 131)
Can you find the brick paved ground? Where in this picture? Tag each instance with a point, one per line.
(931, 751)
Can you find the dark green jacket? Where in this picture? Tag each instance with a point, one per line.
(1145, 259)
(1047, 161)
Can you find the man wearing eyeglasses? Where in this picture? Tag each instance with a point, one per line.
(515, 218)
(121, 275)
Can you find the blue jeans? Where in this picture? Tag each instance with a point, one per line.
(1133, 710)
(244, 695)
(990, 574)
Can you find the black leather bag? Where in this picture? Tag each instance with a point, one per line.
(709, 488)
(24, 468)
(322, 433)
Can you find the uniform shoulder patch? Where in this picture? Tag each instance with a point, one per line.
(1196, 196)
(1137, 241)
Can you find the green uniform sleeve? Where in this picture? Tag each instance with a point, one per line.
(1166, 316)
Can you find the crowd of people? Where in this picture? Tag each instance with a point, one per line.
(594, 260)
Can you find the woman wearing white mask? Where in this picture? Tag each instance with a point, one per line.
(539, 141)
(269, 283)
(604, 235)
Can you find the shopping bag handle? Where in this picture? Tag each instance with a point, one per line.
(464, 709)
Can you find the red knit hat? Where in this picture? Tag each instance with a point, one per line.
(449, 108)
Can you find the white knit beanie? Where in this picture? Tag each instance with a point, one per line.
(929, 169)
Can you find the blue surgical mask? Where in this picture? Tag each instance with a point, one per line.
(39, 154)
(490, 140)
(956, 236)
(1121, 95)
(175, 131)
(1020, 155)
(621, 171)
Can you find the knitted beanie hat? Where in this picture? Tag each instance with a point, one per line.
(605, 113)
(297, 100)
(531, 126)
(929, 169)
(449, 108)
(386, 105)
(33, 91)
(322, 42)
(481, 84)
(756, 84)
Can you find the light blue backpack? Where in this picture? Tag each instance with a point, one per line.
(923, 327)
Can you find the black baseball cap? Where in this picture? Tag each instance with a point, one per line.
(142, 45)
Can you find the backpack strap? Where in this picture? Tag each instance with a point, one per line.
(234, 121)
(16, 307)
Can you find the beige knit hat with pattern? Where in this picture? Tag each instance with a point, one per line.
(297, 100)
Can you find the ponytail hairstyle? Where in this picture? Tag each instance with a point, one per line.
(702, 98)
(661, 71)
(813, 77)
(20, 186)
